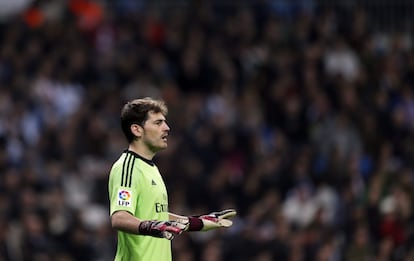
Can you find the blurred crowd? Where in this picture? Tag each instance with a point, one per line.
(299, 117)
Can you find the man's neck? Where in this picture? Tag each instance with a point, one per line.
(141, 150)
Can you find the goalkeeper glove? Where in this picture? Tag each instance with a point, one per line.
(161, 229)
(211, 221)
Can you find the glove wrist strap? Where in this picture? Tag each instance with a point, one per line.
(144, 227)
(195, 224)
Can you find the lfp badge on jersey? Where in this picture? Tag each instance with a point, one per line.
(124, 198)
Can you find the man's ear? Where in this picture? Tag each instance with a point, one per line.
(137, 130)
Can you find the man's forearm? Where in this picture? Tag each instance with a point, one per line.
(126, 222)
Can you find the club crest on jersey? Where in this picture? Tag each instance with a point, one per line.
(124, 197)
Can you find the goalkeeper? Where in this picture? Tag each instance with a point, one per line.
(137, 193)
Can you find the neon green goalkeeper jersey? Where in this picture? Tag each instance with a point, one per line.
(135, 185)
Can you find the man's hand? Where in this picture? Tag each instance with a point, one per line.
(212, 221)
(162, 229)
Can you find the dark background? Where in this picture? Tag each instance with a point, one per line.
(299, 114)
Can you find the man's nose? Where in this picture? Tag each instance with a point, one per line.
(166, 127)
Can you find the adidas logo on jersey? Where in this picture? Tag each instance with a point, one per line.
(153, 183)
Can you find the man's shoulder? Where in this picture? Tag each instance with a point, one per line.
(118, 162)
(129, 163)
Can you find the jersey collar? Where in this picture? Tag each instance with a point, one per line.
(150, 162)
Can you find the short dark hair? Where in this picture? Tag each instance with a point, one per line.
(136, 112)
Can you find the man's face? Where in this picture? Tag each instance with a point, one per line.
(155, 132)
